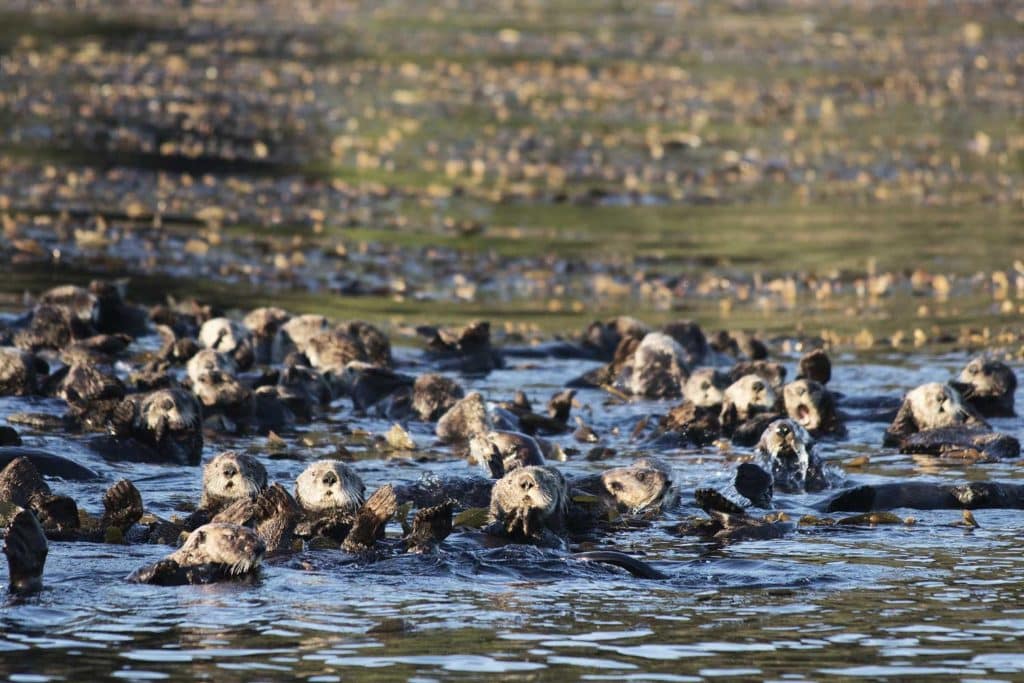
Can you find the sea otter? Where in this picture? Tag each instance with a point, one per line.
(214, 552)
(988, 385)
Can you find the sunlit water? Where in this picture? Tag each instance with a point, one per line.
(900, 602)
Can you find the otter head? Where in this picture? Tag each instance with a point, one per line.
(238, 549)
(748, 396)
(209, 361)
(704, 388)
(231, 476)
(171, 420)
(989, 378)
(809, 404)
(642, 485)
(227, 336)
(329, 485)
(528, 499)
(784, 448)
(936, 405)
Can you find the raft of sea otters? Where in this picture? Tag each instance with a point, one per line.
(272, 370)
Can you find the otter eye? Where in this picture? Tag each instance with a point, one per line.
(167, 404)
(526, 484)
(200, 536)
(705, 385)
(230, 471)
(758, 386)
(641, 476)
(972, 369)
(783, 430)
(801, 391)
(330, 479)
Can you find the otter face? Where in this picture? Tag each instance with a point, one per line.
(640, 485)
(989, 377)
(169, 410)
(208, 361)
(784, 446)
(330, 485)
(751, 395)
(805, 403)
(528, 498)
(704, 388)
(224, 335)
(232, 476)
(659, 367)
(936, 405)
(239, 549)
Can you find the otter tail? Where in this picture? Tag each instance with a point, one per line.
(636, 567)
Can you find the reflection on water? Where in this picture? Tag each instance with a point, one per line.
(906, 602)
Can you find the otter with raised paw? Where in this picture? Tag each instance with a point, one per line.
(213, 552)
(59, 515)
(161, 426)
(528, 505)
(785, 450)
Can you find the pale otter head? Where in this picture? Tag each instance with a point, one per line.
(231, 476)
(502, 452)
(171, 420)
(463, 420)
(989, 386)
(784, 448)
(659, 367)
(810, 404)
(168, 410)
(227, 336)
(235, 547)
(638, 486)
(529, 499)
(935, 405)
(749, 395)
(208, 361)
(704, 388)
(329, 485)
